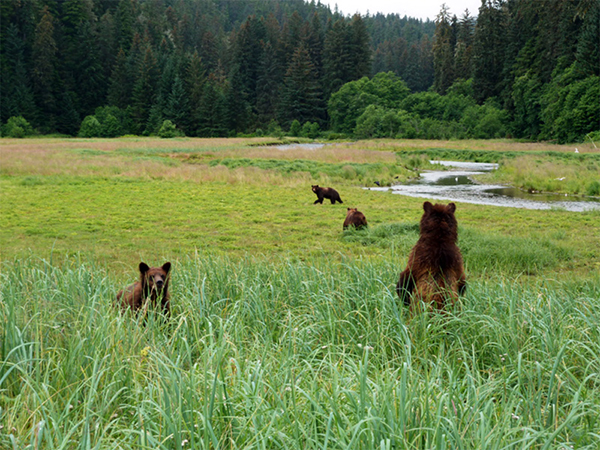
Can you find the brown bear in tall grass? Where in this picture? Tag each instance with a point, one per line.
(323, 193)
(355, 218)
(435, 272)
(152, 290)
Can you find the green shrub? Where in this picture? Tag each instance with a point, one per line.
(90, 127)
(169, 130)
(17, 127)
(295, 128)
(310, 130)
(593, 188)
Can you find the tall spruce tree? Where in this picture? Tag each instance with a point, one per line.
(489, 49)
(195, 79)
(44, 70)
(443, 51)
(463, 51)
(16, 91)
(302, 98)
(144, 90)
(121, 82)
(177, 108)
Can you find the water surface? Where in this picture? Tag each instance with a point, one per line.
(457, 184)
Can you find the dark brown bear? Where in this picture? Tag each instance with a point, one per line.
(435, 272)
(323, 193)
(355, 218)
(150, 291)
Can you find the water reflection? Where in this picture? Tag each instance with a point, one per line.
(457, 185)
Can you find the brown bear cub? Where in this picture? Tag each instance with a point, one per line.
(323, 193)
(150, 291)
(435, 272)
(354, 218)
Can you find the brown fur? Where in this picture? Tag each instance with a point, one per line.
(323, 193)
(355, 218)
(435, 272)
(150, 291)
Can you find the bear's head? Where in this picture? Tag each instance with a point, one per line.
(155, 278)
(352, 211)
(315, 187)
(439, 220)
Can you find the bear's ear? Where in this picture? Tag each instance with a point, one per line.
(349, 209)
(166, 267)
(427, 207)
(451, 207)
(144, 267)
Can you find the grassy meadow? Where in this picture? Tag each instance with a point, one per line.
(286, 332)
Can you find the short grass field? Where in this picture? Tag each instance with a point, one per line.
(286, 331)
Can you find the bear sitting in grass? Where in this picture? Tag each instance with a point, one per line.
(323, 193)
(354, 218)
(435, 273)
(150, 291)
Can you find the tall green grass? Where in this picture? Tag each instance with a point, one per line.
(290, 354)
(483, 252)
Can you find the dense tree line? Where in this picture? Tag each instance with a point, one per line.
(536, 60)
(212, 67)
(222, 67)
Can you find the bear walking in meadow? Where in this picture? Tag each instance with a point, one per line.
(435, 272)
(355, 218)
(152, 290)
(323, 193)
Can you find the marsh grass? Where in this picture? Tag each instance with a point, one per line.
(578, 174)
(120, 220)
(302, 345)
(280, 353)
(483, 253)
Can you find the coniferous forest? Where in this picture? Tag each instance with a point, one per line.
(514, 68)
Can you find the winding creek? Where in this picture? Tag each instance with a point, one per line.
(456, 184)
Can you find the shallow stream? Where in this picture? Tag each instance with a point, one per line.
(456, 184)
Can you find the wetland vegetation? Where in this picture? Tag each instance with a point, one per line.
(286, 331)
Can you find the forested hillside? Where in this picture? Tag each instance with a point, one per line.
(221, 67)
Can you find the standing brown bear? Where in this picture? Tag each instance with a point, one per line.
(435, 272)
(323, 193)
(150, 291)
(355, 218)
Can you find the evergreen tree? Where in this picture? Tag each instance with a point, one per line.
(443, 52)
(16, 92)
(336, 61)
(121, 84)
(315, 41)
(463, 51)
(294, 32)
(124, 23)
(91, 85)
(360, 51)
(212, 111)
(301, 97)
(238, 108)
(267, 89)
(107, 45)
(44, 67)
(247, 58)
(588, 47)
(195, 80)
(177, 106)
(144, 91)
(488, 49)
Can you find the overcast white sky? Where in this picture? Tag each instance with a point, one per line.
(421, 9)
